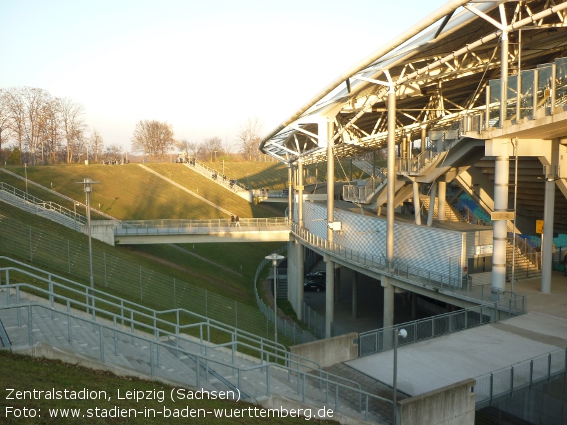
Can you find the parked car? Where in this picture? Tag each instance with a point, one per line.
(312, 285)
(318, 276)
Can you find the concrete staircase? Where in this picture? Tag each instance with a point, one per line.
(47, 210)
(524, 268)
(207, 172)
(451, 214)
(179, 359)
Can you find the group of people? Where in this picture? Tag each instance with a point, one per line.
(234, 221)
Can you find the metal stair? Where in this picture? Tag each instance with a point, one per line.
(451, 214)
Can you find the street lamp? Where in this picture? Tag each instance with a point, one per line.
(403, 333)
(275, 258)
(26, 173)
(215, 156)
(88, 189)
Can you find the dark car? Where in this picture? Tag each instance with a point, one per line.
(318, 276)
(312, 285)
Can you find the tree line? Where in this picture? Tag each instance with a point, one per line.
(46, 129)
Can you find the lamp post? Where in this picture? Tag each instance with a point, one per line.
(215, 156)
(88, 189)
(26, 173)
(275, 258)
(403, 333)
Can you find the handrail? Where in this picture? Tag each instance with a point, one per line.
(236, 185)
(4, 338)
(325, 383)
(400, 270)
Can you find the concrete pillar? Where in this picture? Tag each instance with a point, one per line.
(337, 285)
(441, 195)
(329, 295)
(423, 138)
(503, 76)
(290, 191)
(546, 246)
(391, 184)
(500, 230)
(291, 278)
(354, 310)
(432, 194)
(300, 193)
(416, 203)
(388, 302)
(374, 164)
(300, 266)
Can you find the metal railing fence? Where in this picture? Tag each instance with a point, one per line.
(318, 386)
(379, 340)
(40, 204)
(459, 285)
(363, 194)
(125, 279)
(180, 226)
(291, 330)
(503, 382)
(208, 172)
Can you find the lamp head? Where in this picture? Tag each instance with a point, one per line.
(403, 333)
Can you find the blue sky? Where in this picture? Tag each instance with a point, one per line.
(203, 66)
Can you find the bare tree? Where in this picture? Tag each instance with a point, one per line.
(51, 131)
(153, 138)
(16, 112)
(249, 137)
(113, 152)
(73, 127)
(4, 119)
(97, 144)
(212, 145)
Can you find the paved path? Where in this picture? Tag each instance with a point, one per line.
(434, 363)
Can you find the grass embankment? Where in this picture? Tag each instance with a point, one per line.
(23, 373)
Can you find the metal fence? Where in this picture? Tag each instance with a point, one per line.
(133, 282)
(383, 339)
(504, 382)
(290, 329)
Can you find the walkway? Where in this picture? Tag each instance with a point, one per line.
(432, 364)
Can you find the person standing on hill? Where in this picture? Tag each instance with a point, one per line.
(231, 220)
(237, 220)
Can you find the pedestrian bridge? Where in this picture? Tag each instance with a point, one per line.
(136, 232)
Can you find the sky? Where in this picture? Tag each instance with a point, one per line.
(205, 67)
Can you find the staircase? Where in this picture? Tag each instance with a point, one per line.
(207, 172)
(118, 339)
(451, 214)
(33, 205)
(524, 267)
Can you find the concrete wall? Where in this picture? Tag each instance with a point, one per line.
(450, 405)
(328, 352)
(103, 230)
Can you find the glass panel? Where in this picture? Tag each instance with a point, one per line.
(527, 99)
(543, 86)
(494, 106)
(561, 82)
(511, 97)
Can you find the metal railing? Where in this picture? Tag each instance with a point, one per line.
(181, 226)
(458, 285)
(379, 340)
(315, 385)
(504, 382)
(4, 338)
(41, 205)
(208, 172)
(362, 194)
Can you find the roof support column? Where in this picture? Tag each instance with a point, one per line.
(289, 192)
(300, 193)
(547, 242)
(329, 265)
(300, 275)
(416, 203)
(391, 184)
(503, 76)
(388, 288)
(500, 230)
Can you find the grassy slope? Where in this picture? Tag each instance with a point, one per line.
(27, 373)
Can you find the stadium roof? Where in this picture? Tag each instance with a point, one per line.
(439, 69)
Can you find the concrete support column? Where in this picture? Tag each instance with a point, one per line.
(432, 194)
(503, 76)
(423, 138)
(391, 184)
(500, 230)
(290, 192)
(547, 242)
(441, 195)
(300, 193)
(337, 285)
(291, 280)
(416, 203)
(374, 164)
(354, 310)
(329, 295)
(300, 276)
(388, 302)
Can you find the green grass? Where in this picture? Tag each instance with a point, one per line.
(24, 373)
